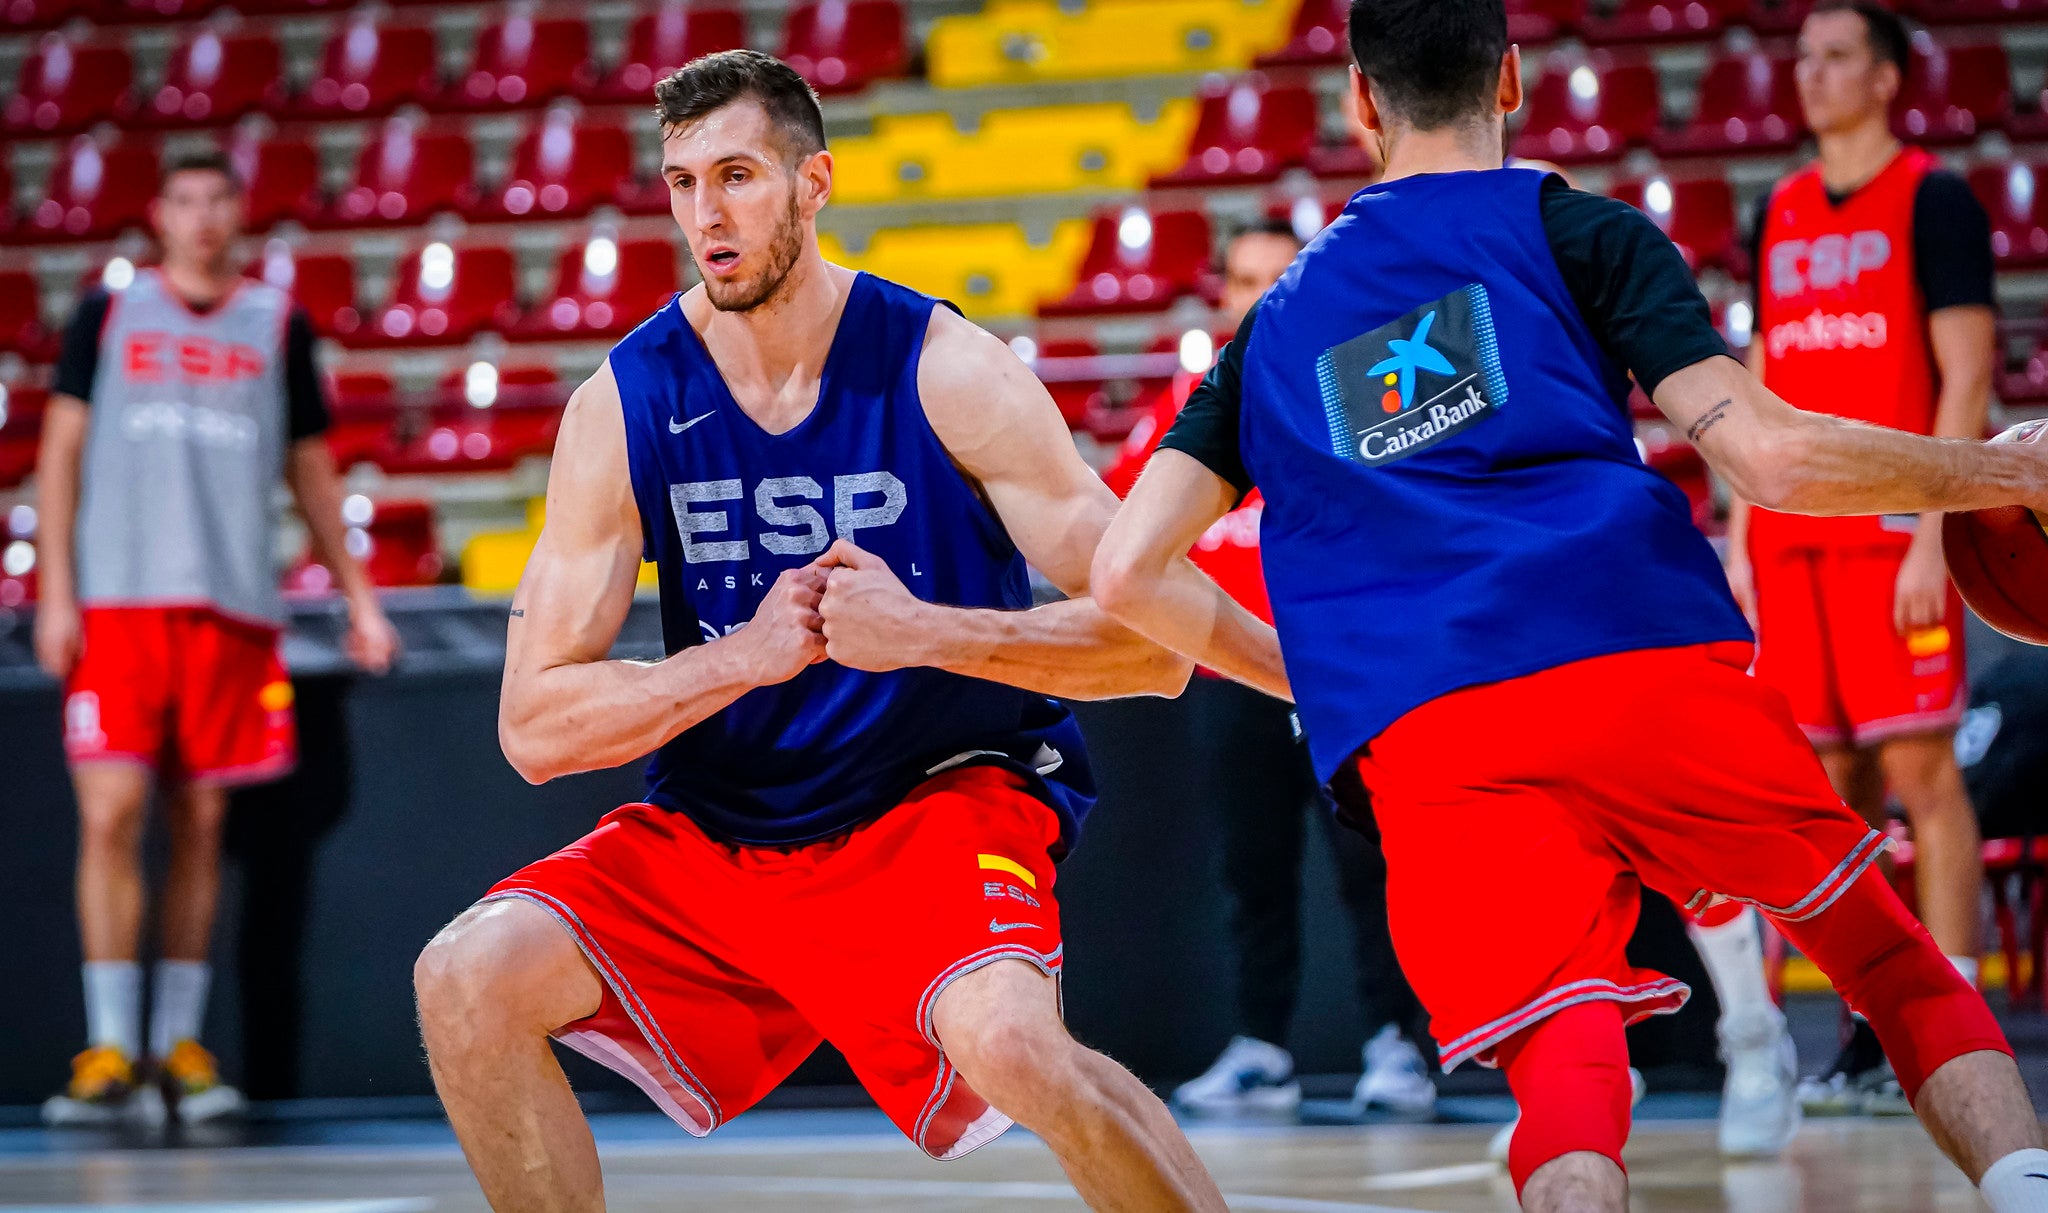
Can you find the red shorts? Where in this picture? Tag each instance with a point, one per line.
(1520, 817)
(1826, 639)
(725, 965)
(182, 689)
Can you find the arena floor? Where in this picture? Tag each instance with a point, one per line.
(827, 1161)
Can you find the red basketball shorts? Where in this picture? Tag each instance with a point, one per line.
(1825, 638)
(1519, 818)
(725, 965)
(182, 689)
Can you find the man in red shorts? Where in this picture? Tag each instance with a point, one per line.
(1510, 626)
(859, 787)
(1874, 302)
(179, 403)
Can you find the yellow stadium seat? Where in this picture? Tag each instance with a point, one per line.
(1018, 41)
(988, 269)
(493, 561)
(1037, 150)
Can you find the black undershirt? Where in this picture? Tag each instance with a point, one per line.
(1628, 279)
(78, 361)
(1952, 258)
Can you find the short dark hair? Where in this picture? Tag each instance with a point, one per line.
(203, 161)
(1435, 63)
(1271, 225)
(715, 81)
(1889, 41)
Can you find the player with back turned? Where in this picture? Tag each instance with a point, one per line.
(1510, 626)
(860, 784)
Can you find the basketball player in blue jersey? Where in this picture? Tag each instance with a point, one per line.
(860, 786)
(1509, 627)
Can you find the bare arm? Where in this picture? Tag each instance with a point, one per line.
(58, 458)
(1003, 431)
(1783, 458)
(1965, 342)
(1144, 578)
(316, 486)
(565, 708)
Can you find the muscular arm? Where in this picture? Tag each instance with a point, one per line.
(1003, 431)
(1783, 458)
(563, 707)
(1144, 577)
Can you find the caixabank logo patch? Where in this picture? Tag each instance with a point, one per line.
(1410, 384)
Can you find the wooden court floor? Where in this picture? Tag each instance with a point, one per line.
(1835, 1167)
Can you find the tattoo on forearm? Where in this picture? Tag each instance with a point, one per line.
(1708, 420)
(517, 613)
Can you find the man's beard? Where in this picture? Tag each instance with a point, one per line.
(783, 251)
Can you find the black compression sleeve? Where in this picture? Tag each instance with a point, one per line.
(78, 359)
(1207, 428)
(1952, 245)
(305, 396)
(1630, 284)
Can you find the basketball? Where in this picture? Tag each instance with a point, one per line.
(1999, 558)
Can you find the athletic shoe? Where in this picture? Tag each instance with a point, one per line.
(1497, 1149)
(1250, 1076)
(191, 1079)
(102, 1091)
(1396, 1079)
(1760, 1100)
(1860, 1082)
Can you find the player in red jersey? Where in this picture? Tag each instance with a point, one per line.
(1874, 302)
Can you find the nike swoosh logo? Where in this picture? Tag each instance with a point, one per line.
(2036, 1175)
(677, 427)
(999, 927)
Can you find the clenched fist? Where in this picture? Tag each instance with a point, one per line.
(786, 633)
(872, 622)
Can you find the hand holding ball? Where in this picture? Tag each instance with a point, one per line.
(1999, 558)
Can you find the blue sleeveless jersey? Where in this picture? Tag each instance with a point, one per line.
(1453, 491)
(727, 506)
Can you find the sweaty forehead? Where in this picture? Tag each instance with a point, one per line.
(740, 129)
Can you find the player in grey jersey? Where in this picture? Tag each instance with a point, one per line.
(179, 403)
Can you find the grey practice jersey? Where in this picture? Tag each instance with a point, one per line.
(184, 452)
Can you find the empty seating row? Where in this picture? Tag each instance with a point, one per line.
(989, 269)
(369, 66)
(1023, 41)
(1013, 151)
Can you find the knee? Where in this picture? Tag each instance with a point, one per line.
(197, 814)
(1012, 1057)
(460, 977)
(1926, 781)
(110, 826)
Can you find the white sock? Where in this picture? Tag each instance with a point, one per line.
(1734, 955)
(113, 1005)
(177, 1004)
(2017, 1183)
(1967, 966)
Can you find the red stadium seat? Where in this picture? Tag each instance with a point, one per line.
(41, 14)
(1749, 102)
(283, 179)
(1972, 12)
(1247, 131)
(155, 10)
(368, 68)
(1541, 20)
(212, 79)
(68, 85)
(842, 45)
(1591, 108)
(1348, 159)
(2019, 218)
(363, 419)
(561, 169)
(95, 192)
(398, 545)
(1318, 35)
(1661, 20)
(8, 214)
(325, 285)
(1953, 93)
(602, 289)
(444, 296)
(1138, 262)
(21, 427)
(662, 41)
(21, 318)
(1778, 16)
(405, 174)
(521, 61)
(486, 421)
(1077, 398)
(1698, 215)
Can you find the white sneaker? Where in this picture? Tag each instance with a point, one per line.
(1497, 1149)
(1250, 1076)
(1760, 1102)
(1396, 1079)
